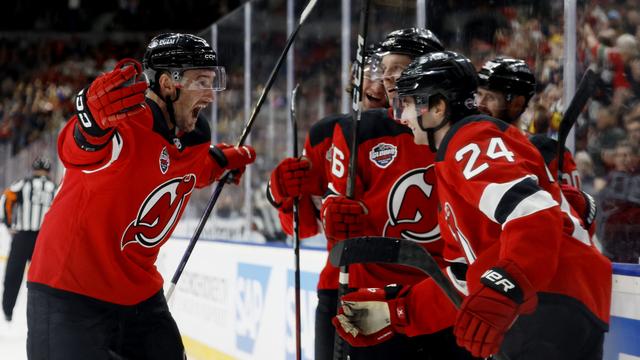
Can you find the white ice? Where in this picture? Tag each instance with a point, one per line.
(13, 335)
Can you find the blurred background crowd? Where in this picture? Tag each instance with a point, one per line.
(46, 56)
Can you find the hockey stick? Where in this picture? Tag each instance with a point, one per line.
(296, 231)
(585, 89)
(356, 107)
(243, 137)
(378, 249)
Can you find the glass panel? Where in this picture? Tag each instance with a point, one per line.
(608, 133)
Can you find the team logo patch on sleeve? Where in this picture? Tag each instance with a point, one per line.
(164, 160)
(383, 154)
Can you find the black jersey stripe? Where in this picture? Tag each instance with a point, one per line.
(518, 192)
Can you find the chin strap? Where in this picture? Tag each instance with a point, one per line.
(169, 102)
(432, 131)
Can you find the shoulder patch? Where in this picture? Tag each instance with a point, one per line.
(383, 154)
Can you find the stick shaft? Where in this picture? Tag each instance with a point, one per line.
(296, 231)
(243, 137)
(356, 107)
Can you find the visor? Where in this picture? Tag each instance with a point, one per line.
(212, 79)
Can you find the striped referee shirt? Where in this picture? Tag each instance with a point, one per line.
(25, 202)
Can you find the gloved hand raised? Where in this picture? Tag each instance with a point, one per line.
(369, 317)
(233, 158)
(111, 98)
(342, 218)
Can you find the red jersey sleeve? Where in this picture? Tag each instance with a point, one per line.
(494, 169)
(74, 157)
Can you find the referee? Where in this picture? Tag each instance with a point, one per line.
(23, 206)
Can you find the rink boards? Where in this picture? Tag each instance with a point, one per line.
(235, 301)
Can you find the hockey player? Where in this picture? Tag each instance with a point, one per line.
(395, 196)
(505, 87)
(132, 163)
(306, 178)
(535, 285)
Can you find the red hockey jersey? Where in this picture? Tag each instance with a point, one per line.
(548, 148)
(499, 201)
(396, 181)
(117, 206)
(317, 148)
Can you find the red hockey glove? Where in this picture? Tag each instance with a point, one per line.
(112, 98)
(583, 204)
(488, 313)
(369, 317)
(229, 157)
(342, 218)
(291, 178)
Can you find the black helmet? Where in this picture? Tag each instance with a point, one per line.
(509, 76)
(41, 163)
(446, 73)
(412, 41)
(176, 53)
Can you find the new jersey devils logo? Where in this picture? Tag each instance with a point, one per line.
(412, 207)
(159, 212)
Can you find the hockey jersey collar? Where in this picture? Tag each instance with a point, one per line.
(200, 135)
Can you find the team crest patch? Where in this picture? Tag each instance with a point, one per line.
(164, 160)
(383, 154)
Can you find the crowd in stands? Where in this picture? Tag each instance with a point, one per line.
(39, 77)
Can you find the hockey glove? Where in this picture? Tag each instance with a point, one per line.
(488, 312)
(342, 218)
(369, 317)
(291, 178)
(583, 204)
(233, 158)
(111, 98)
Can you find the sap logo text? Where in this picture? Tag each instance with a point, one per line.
(252, 283)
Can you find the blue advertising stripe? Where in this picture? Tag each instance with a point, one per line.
(276, 244)
(626, 269)
(625, 339)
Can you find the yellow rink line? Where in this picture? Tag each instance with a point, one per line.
(196, 350)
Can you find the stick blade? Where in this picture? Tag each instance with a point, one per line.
(377, 249)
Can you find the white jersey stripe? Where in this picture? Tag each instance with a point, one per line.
(25, 223)
(493, 193)
(538, 201)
